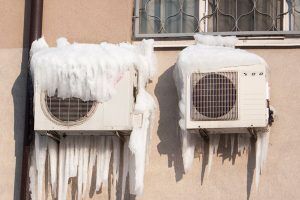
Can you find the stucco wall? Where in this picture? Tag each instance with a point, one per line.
(165, 178)
(92, 21)
(12, 96)
(97, 21)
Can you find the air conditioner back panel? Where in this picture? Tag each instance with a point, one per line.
(250, 104)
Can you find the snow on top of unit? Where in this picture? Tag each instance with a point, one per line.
(204, 57)
(210, 40)
(88, 71)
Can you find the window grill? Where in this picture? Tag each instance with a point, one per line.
(214, 96)
(168, 18)
(69, 110)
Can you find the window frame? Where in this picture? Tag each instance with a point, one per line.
(186, 36)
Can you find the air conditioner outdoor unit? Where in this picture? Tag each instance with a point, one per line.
(73, 115)
(227, 98)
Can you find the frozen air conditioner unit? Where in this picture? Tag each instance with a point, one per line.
(227, 98)
(73, 115)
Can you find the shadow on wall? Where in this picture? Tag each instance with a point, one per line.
(168, 130)
(18, 93)
(225, 153)
(19, 98)
(169, 134)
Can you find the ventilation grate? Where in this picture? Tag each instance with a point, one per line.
(68, 110)
(214, 96)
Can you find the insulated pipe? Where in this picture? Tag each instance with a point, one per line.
(36, 18)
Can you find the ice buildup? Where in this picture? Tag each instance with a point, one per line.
(90, 72)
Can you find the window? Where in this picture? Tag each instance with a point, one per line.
(167, 18)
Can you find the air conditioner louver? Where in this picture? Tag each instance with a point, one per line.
(214, 96)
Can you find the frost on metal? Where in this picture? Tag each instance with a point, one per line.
(90, 72)
(208, 54)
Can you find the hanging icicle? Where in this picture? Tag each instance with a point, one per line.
(261, 153)
(53, 158)
(75, 158)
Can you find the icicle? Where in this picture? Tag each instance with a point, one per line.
(68, 158)
(32, 176)
(92, 160)
(258, 159)
(73, 161)
(188, 149)
(261, 154)
(126, 154)
(213, 147)
(67, 166)
(100, 161)
(116, 158)
(86, 154)
(80, 168)
(76, 141)
(40, 153)
(48, 175)
(53, 159)
(107, 157)
(137, 145)
(63, 163)
(265, 145)
(132, 174)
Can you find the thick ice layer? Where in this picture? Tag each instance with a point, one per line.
(88, 71)
(140, 139)
(208, 54)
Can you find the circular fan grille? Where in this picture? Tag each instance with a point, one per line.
(214, 95)
(69, 109)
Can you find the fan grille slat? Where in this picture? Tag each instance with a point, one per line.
(214, 96)
(68, 110)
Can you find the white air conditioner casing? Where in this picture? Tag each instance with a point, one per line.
(248, 99)
(114, 114)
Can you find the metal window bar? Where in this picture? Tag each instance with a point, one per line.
(184, 18)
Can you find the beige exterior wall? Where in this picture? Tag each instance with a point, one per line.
(110, 21)
(165, 178)
(90, 22)
(12, 96)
